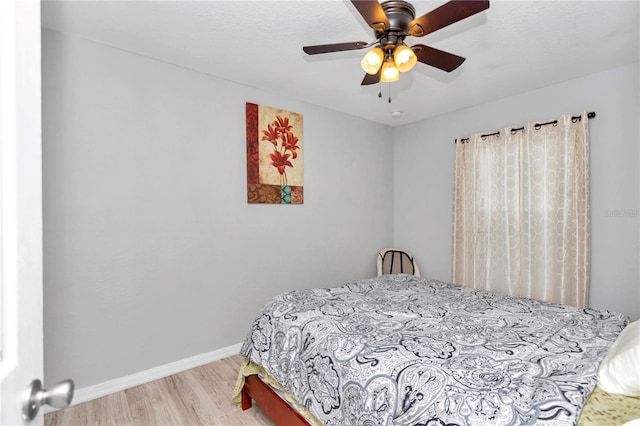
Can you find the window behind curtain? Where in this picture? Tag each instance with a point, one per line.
(521, 211)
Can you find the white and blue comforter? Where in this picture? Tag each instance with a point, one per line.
(403, 350)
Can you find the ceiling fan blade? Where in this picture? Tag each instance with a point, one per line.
(373, 14)
(447, 14)
(335, 47)
(371, 79)
(437, 58)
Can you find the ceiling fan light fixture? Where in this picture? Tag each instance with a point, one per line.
(404, 58)
(372, 61)
(394, 20)
(389, 72)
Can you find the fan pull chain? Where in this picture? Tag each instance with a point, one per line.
(389, 91)
(379, 89)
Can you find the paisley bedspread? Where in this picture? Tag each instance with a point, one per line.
(403, 350)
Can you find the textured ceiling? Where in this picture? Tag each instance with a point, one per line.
(513, 47)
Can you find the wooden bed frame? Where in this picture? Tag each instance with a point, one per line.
(270, 402)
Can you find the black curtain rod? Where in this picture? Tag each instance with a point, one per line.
(536, 126)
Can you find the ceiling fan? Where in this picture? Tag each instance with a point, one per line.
(393, 21)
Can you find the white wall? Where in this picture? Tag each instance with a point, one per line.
(151, 252)
(423, 169)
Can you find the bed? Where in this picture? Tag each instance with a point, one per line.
(404, 350)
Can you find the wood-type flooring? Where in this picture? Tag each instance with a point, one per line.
(199, 396)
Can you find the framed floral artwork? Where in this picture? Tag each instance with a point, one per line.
(274, 156)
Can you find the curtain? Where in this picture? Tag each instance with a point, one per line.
(521, 211)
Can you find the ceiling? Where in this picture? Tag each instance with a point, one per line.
(513, 47)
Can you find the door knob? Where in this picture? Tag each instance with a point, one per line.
(59, 396)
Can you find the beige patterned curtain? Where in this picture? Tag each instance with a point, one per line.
(521, 211)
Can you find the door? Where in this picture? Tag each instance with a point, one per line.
(21, 335)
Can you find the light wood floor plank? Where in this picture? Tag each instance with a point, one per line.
(200, 396)
(109, 410)
(158, 403)
(196, 393)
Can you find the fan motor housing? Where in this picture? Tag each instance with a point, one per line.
(399, 13)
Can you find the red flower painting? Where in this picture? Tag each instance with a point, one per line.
(275, 155)
(285, 145)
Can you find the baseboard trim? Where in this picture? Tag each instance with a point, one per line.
(116, 385)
